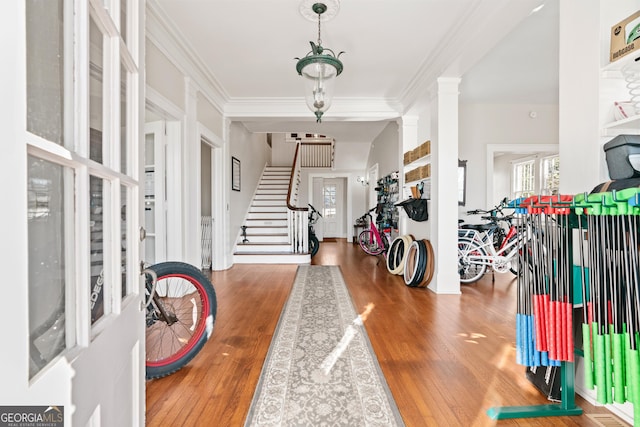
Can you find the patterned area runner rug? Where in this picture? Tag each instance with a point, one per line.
(320, 369)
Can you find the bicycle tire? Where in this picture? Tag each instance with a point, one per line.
(469, 272)
(314, 245)
(189, 295)
(368, 242)
(397, 254)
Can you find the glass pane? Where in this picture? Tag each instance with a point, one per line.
(45, 69)
(124, 123)
(45, 216)
(96, 67)
(96, 190)
(329, 210)
(123, 233)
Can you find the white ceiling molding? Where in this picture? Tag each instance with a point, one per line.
(361, 109)
(461, 50)
(170, 41)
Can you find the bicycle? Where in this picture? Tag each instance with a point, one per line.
(477, 249)
(181, 308)
(493, 229)
(370, 239)
(314, 243)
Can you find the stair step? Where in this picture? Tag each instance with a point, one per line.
(273, 258)
(266, 247)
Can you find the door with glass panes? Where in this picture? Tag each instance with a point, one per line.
(75, 301)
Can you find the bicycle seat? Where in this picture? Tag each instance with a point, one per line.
(478, 227)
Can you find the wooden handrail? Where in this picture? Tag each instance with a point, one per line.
(293, 171)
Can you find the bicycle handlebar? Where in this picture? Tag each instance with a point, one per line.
(314, 210)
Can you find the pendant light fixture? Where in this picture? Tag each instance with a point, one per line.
(319, 68)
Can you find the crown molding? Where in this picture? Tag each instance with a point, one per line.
(486, 23)
(360, 109)
(172, 43)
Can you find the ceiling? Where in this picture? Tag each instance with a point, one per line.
(394, 52)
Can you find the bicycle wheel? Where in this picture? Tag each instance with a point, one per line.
(469, 270)
(179, 318)
(369, 243)
(314, 245)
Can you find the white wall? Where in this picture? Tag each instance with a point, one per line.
(483, 124)
(384, 151)
(282, 152)
(254, 153)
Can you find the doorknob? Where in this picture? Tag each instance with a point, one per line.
(143, 233)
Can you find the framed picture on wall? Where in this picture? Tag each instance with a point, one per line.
(235, 174)
(462, 182)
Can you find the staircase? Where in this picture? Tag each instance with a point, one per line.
(267, 228)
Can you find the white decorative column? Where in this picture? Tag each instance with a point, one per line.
(408, 137)
(443, 213)
(191, 173)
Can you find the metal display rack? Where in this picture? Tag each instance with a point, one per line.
(607, 285)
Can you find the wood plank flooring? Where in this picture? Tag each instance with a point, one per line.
(446, 358)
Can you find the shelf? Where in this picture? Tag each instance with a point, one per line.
(422, 161)
(628, 126)
(427, 181)
(613, 70)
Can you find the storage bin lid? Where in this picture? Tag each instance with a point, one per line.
(621, 140)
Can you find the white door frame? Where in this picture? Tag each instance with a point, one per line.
(218, 196)
(492, 149)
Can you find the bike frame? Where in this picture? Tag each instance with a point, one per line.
(509, 248)
(376, 235)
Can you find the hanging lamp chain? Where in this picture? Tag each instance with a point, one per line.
(319, 39)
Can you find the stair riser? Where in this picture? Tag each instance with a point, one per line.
(259, 203)
(283, 189)
(272, 259)
(277, 239)
(274, 181)
(248, 247)
(266, 223)
(266, 230)
(267, 208)
(268, 216)
(280, 198)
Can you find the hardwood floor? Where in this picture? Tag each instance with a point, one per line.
(446, 358)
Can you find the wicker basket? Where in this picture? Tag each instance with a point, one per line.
(424, 149)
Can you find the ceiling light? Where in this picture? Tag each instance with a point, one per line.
(319, 68)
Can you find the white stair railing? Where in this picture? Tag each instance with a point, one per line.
(297, 217)
(317, 154)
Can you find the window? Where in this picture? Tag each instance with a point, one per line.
(550, 175)
(523, 179)
(539, 175)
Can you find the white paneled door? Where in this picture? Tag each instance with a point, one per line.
(333, 208)
(71, 245)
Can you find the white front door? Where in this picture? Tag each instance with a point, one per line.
(333, 207)
(71, 245)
